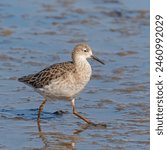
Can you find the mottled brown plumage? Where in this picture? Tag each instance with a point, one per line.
(42, 78)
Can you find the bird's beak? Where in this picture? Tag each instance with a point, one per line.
(97, 59)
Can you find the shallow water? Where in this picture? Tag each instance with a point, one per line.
(35, 34)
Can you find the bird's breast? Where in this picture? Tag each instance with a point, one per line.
(83, 73)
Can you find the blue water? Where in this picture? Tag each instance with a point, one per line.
(35, 34)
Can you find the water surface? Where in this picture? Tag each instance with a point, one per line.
(35, 34)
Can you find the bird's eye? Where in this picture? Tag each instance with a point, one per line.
(85, 50)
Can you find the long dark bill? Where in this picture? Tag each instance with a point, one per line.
(97, 59)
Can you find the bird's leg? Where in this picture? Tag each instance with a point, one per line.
(39, 113)
(77, 114)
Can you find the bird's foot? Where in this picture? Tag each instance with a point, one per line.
(60, 112)
(100, 125)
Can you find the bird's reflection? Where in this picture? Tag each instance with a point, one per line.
(61, 140)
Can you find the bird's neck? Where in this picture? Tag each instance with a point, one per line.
(83, 70)
(82, 64)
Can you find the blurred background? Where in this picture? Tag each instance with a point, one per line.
(37, 33)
